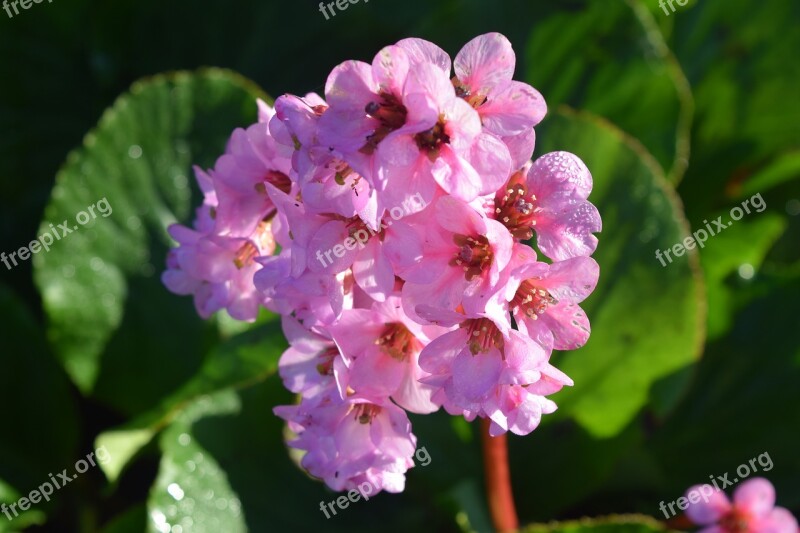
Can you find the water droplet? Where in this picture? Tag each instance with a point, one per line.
(184, 439)
(746, 271)
(134, 222)
(96, 264)
(135, 151)
(160, 521)
(175, 491)
(793, 207)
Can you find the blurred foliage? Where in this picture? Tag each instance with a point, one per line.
(692, 368)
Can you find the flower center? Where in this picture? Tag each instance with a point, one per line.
(483, 335)
(515, 207)
(245, 255)
(326, 357)
(398, 342)
(531, 300)
(431, 141)
(390, 114)
(366, 412)
(463, 92)
(735, 522)
(474, 255)
(277, 179)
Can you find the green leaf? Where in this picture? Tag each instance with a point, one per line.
(23, 519)
(610, 524)
(737, 253)
(743, 402)
(241, 361)
(785, 167)
(192, 490)
(647, 319)
(610, 58)
(100, 284)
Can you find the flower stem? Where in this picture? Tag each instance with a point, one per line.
(498, 480)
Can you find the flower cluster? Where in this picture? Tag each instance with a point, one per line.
(389, 223)
(753, 510)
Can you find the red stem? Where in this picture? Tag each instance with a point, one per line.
(498, 480)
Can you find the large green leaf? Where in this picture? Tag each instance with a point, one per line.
(100, 284)
(647, 319)
(610, 58)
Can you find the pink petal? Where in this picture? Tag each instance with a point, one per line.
(373, 272)
(323, 248)
(453, 174)
(374, 373)
(429, 81)
(560, 173)
(709, 509)
(485, 62)
(390, 68)
(521, 147)
(438, 356)
(780, 520)
(492, 161)
(475, 375)
(422, 51)
(459, 217)
(513, 110)
(351, 86)
(756, 495)
(565, 230)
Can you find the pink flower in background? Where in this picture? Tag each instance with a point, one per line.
(753, 510)
(448, 307)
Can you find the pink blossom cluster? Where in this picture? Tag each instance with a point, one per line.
(447, 305)
(753, 510)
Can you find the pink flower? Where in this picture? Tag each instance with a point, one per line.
(349, 442)
(311, 363)
(381, 347)
(752, 511)
(445, 146)
(484, 369)
(463, 256)
(549, 197)
(447, 307)
(544, 300)
(484, 70)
